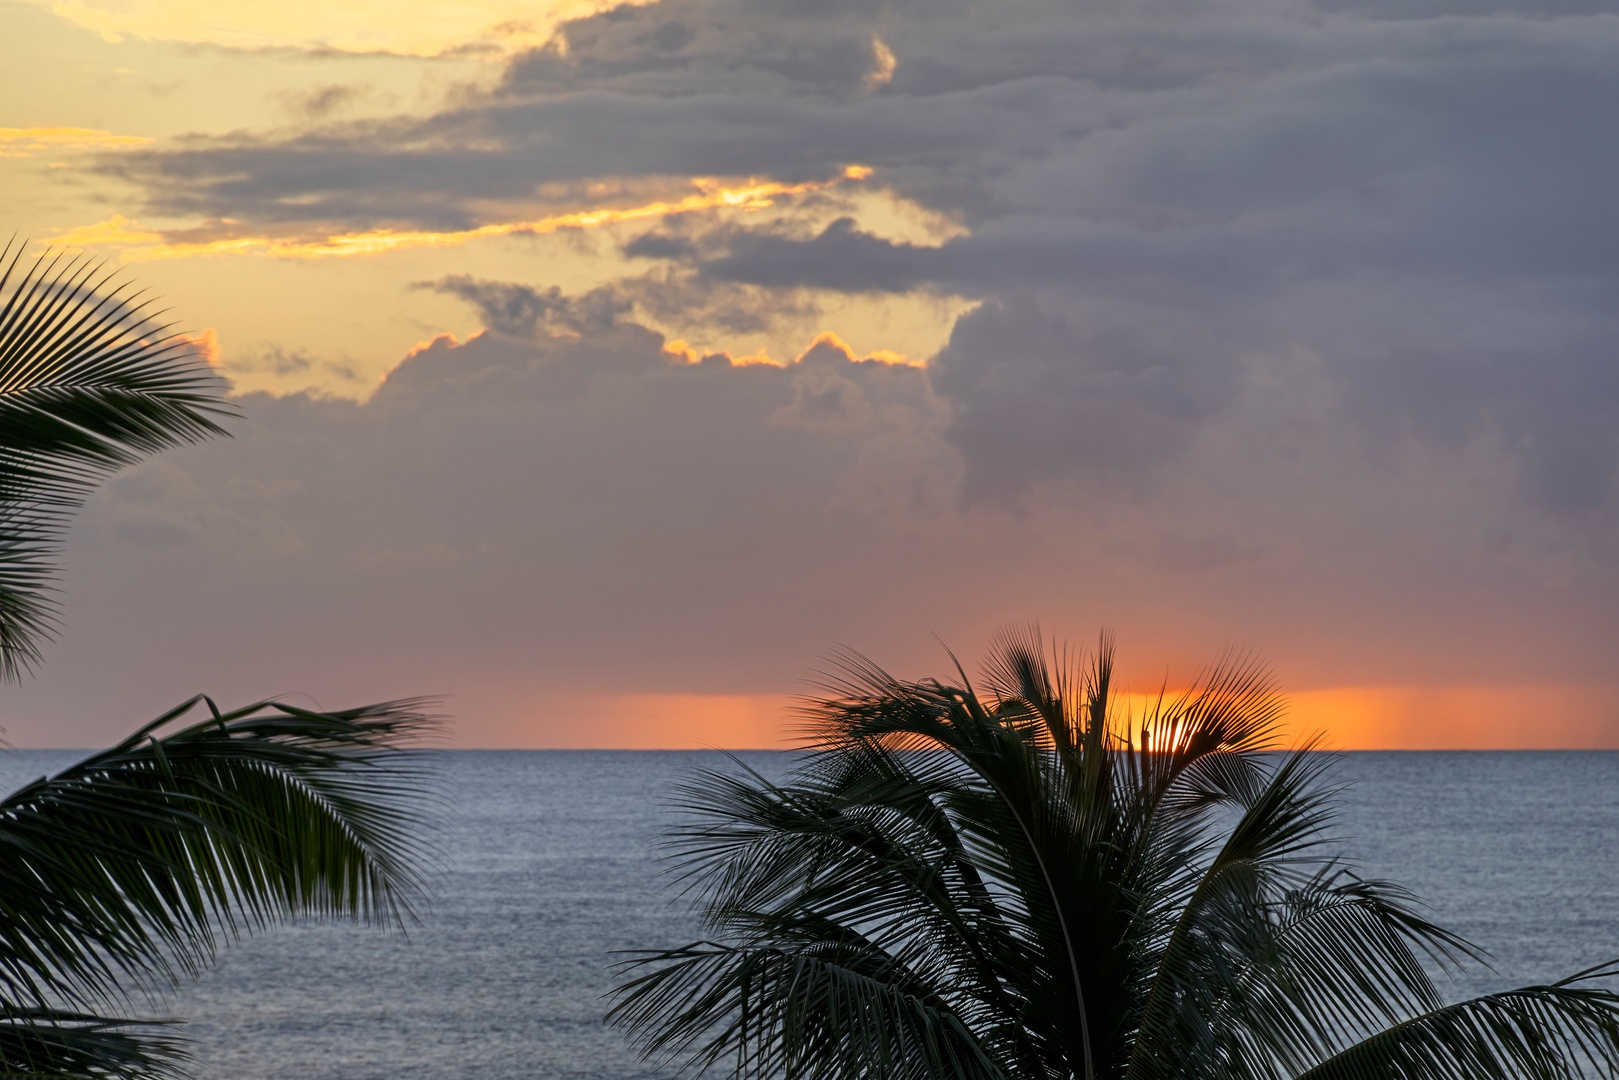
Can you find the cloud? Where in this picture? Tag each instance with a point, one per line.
(1292, 323)
(497, 497)
(319, 103)
(1419, 196)
(226, 236)
(281, 362)
(841, 258)
(569, 506)
(522, 311)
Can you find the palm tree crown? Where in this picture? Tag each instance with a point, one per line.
(1021, 882)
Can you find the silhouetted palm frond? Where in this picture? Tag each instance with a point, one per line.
(56, 1044)
(122, 872)
(89, 383)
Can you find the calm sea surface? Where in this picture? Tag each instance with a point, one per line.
(550, 868)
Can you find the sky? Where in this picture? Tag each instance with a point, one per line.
(604, 369)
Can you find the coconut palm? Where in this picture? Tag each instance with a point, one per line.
(1019, 881)
(122, 874)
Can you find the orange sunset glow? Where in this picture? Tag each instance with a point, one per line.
(1353, 718)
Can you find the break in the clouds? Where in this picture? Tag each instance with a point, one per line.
(1285, 324)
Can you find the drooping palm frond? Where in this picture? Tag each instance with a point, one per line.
(814, 975)
(123, 871)
(1020, 882)
(89, 383)
(55, 1044)
(1561, 1031)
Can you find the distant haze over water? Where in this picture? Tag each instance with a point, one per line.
(550, 867)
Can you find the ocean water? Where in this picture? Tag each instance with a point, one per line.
(550, 867)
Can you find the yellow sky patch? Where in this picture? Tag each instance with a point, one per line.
(116, 231)
(27, 141)
(407, 27)
(142, 245)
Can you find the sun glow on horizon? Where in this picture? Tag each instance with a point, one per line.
(1556, 717)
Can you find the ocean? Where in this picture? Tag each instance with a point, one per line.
(550, 867)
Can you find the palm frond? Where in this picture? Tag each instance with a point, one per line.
(1563, 1031)
(1284, 977)
(89, 383)
(124, 870)
(838, 1007)
(1268, 847)
(54, 1044)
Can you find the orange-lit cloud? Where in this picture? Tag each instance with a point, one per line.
(682, 352)
(712, 194)
(884, 63)
(407, 27)
(25, 142)
(828, 339)
(205, 345)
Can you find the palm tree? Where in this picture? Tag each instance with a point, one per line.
(1019, 881)
(121, 874)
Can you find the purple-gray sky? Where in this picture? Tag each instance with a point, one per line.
(1267, 323)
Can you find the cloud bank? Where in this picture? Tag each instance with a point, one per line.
(1291, 325)
(560, 511)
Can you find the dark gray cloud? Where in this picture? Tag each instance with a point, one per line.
(841, 258)
(320, 103)
(279, 361)
(1046, 390)
(1174, 109)
(524, 311)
